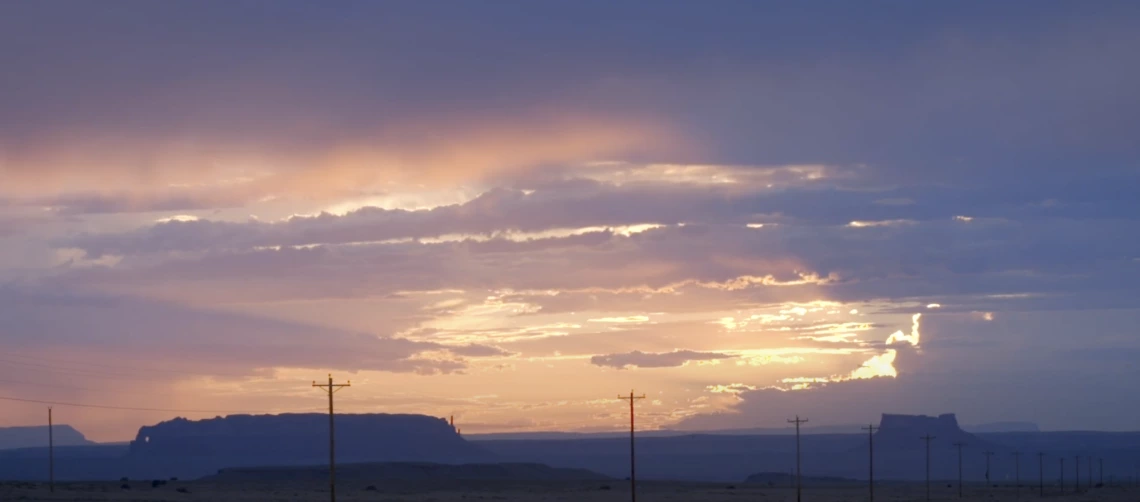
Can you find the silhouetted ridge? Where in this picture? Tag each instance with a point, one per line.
(36, 436)
(902, 432)
(200, 447)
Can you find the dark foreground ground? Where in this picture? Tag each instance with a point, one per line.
(523, 491)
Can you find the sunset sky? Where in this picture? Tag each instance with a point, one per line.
(513, 211)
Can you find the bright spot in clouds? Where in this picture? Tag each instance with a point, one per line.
(178, 217)
(914, 336)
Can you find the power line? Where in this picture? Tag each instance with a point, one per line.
(47, 385)
(117, 367)
(72, 371)
(130, 408)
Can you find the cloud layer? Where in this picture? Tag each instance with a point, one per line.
(747, 208)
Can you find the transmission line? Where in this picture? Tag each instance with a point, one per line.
(130, 408)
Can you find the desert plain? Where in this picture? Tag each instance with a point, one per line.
(583, 491)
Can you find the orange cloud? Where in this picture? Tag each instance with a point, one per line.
(127, 174)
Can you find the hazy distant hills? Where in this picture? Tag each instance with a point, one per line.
(197, 448)
(757, 431)
(188, 449)
(899, 453)
(194, 448)
(1002, 427)
(29, 437)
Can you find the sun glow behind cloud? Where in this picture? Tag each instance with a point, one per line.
(462, 229)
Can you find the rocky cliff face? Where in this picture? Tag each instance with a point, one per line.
(195, 448)
(903, 432)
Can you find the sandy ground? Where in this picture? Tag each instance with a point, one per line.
(499, 491)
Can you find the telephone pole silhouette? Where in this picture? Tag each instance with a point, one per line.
(1017, 474)
(988, 455)
(1041, 472)
(331, 388)
(632, 459)
(871, 461)
(927, 438)
(1077, 481)
(959, 444)
(1101, 471)
(1089, 458)
(51, 454)
(799, 481)
(1062, 475)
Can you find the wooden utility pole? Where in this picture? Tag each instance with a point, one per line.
(799, 475)
(1089, 458)
(988, 455)
(1077, 482)
(632, 458)
(1041, 472)
(51, 454)
(959, 444)
(871, 459)
(1062, 475)
(927, 438)
(332, 388)
(1017, 474)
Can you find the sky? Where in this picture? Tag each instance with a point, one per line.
(511, 212)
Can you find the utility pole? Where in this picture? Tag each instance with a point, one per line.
(1101, 470)
(799, 479)
(1017, 474)
(959, 444)
(1041, 472)
(1089, 458)
(51, 454)
(871, 461)
(988, 455)
(927, 438)
(331, 389)
(632, 459)
(1077, 482)
(1062, 475)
